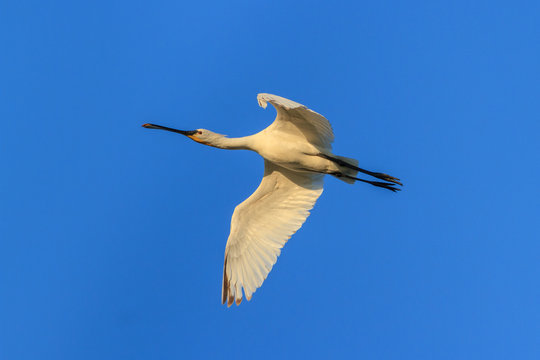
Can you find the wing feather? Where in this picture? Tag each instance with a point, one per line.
(295, 118)
(262, 224)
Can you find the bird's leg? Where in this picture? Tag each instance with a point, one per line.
(377, 175)
(380, 184)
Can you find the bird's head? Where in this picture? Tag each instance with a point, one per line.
(202, 136)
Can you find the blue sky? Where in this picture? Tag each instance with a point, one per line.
(112, 236)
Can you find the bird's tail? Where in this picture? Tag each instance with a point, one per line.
(347, 170)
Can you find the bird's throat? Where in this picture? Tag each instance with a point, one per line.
(194, 138)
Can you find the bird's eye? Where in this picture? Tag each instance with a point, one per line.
(199, 132)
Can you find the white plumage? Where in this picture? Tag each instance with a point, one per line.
(297, 153)
(262, 224)
(295, 118)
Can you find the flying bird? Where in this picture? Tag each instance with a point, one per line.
(297, 153)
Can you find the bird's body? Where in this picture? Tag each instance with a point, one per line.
(287, 151)
(297, 151)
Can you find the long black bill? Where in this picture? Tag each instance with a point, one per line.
(183, 132)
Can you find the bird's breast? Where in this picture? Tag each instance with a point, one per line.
(295, 156)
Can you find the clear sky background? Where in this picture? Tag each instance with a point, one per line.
(112, 236)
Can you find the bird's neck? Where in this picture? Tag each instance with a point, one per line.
(240, 143)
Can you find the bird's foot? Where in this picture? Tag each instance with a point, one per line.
(384, 185)
(386, 177)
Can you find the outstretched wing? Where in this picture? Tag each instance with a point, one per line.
(262, 224)
(295, 118)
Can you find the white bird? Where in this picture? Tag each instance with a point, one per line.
(297, 153)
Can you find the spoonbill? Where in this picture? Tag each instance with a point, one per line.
(297, 153)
